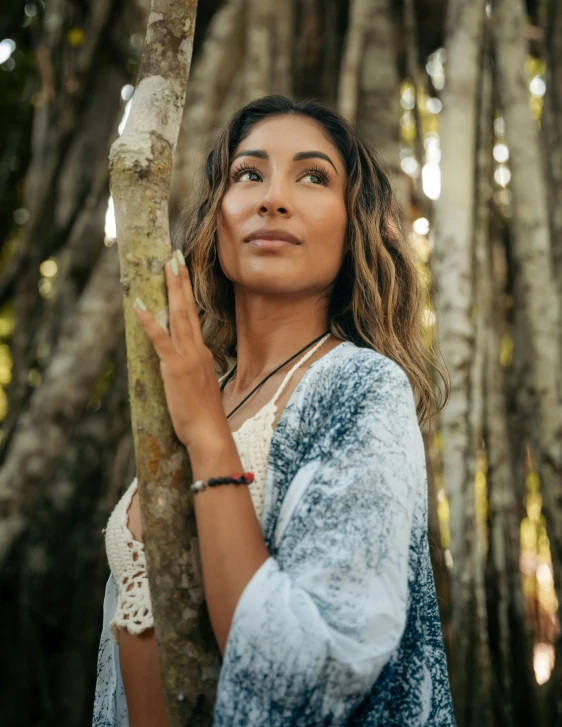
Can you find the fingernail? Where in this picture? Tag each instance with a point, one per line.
(180, 257)
(140, 304)
(174, 266)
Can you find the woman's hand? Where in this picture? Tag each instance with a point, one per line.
(186, 364)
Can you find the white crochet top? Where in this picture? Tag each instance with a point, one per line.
(126, 555)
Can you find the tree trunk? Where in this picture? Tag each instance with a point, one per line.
(54, 159)
(552, 131)
(221, 57)
(418, 80)
(476, 499)
(258, 44)
(538, 295)
(348, 86)
(511, 641)
(43, 431)
(282, 47)
(379, 100)
(52, 586)
(453, 274)
(141, 170)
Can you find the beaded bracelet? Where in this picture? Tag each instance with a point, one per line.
(236, 478)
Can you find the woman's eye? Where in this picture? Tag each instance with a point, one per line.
(243, 174)
(317, 177)
(245, 177)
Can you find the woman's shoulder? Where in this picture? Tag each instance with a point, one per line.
(353, 370)
(353, 387)
(349, 388)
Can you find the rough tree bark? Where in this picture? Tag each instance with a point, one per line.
(552, 130)
(258, 69)
(511, 641)
(219, 60)
(452, 266)
(516, 695)
(282, 46)
(379, 100)
(348, 85)
(481, 687)
(419, 80)
(537, 294)
(141, 169)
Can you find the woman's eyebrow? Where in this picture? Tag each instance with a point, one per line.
(299, 156)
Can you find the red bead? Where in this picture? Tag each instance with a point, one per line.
(236, 475)
(248, 477)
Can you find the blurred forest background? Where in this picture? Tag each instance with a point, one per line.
(463, 100)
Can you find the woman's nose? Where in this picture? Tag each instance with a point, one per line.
(276, 200)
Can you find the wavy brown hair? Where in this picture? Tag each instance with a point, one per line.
(378, 297)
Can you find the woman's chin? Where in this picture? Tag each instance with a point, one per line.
(270, 282)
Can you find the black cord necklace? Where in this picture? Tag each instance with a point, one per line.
(224, 383)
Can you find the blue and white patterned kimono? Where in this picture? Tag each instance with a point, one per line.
(340, 625)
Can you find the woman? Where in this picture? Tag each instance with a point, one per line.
(317, 573)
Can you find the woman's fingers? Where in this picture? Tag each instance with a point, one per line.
(181, 329)
(189, 298)
(186, 364)
(162, 342)
(185, 329)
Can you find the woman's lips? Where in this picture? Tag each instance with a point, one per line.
(270, 244)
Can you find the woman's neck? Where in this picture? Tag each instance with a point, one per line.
(273, 356)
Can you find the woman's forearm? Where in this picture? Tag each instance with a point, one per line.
(140, 672)
(231, 544)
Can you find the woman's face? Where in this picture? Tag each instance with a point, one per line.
(285, 177)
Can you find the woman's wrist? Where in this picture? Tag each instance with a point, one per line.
(214, 459)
